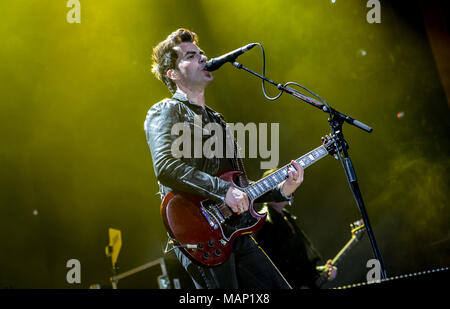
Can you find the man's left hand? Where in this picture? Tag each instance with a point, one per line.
(295, 178)
(331, 270)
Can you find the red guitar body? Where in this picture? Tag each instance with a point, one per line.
(202, 231)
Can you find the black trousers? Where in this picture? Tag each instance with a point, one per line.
(247, 267)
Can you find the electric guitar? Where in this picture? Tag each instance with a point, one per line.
(204, 230)
(357, 231)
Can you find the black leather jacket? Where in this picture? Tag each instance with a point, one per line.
(191, 175)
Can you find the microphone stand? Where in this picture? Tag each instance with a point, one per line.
(336, 121)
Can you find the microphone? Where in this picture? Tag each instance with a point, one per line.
(216, 63)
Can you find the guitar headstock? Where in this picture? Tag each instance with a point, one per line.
(329, 141)
(333, 144)
(357, 229)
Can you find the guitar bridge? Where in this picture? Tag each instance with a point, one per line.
(214, 209)
(207, 216)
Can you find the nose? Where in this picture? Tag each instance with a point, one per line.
(202, 58)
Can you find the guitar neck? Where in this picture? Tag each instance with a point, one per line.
(271, 181)
(344, 250)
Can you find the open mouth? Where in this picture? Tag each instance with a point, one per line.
(207, 72)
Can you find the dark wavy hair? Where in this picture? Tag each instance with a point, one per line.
(164, 57)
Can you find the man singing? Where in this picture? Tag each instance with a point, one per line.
(180, 64)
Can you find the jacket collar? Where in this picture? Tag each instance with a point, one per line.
(183, 98)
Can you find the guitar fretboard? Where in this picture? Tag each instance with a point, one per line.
(271, 181)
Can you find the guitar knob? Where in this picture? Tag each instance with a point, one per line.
(211, 243)
(200, 246)
(206, 255)
(217, 252)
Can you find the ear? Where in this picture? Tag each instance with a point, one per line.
(172, 74)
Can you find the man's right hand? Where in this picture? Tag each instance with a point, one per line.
(237, 200)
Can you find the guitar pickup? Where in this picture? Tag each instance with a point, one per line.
(218, 213)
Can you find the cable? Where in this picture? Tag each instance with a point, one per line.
(264, 75)
(286, 84)
(172, 241)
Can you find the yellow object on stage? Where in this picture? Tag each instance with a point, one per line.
(115, 243)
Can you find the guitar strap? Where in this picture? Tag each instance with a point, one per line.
(237, 162)
(243, 179)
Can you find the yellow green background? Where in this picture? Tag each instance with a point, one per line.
(74, 159)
